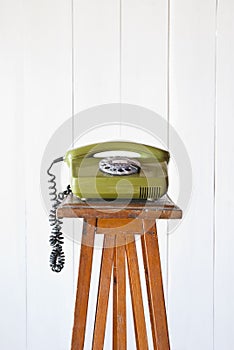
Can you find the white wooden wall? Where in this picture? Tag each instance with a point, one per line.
(60, 57)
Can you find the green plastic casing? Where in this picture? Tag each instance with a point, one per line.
(88, 182)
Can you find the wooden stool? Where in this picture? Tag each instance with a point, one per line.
(119, 223)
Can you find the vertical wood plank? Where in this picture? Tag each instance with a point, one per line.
(153, 275)
(83, 285)
(47, 104)
(13, 249)
(135, 287)
(192, 67)
(103, 292)
(144, 54)
(144, 76)
(96, 64)
(119, 295)
(96, 78)
(224, 188)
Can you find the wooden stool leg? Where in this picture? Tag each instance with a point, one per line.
(119, 295)
(82, 295)
(151, 257)
(135, 287)
(103, 292)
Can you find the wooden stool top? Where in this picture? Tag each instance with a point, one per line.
(163, 208)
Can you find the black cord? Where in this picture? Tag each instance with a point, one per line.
(57, 257)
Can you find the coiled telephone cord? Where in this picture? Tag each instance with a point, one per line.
(57, 257)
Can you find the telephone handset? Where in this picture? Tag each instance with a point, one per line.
(144, 150)
(97, 171)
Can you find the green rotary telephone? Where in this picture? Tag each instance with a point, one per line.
(118, 169)
(108, 170)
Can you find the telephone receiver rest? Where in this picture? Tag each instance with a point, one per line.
(144, 151)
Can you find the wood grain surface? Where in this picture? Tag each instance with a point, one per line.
(119, 295)
(136, 294)
(103, 292)
(164, 208)
(153, 275)
(83, 285)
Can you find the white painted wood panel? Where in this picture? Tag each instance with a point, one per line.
(12, 256)
(144, 75)
(36, 89)
(144, 83)
(96, 53)
(224, 205)
(47, 104)
(192, 79)
(96, 82)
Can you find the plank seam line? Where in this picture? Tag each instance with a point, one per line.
(214, 163)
